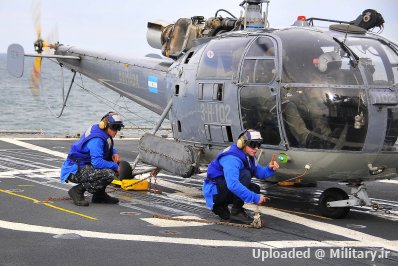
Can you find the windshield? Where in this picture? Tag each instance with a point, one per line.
(379, 61)
(315, 57)
(325, 118)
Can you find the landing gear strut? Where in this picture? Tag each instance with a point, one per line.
(335, 203)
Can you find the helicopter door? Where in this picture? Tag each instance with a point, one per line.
(258, 96)
(217, 89)
(184, 114)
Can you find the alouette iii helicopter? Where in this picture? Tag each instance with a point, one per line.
(324, 98)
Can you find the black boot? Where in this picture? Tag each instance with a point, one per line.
(103, 197)
(222, 211)
(77, 195)
(240, 216)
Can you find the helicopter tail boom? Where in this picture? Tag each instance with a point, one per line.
(142, 80)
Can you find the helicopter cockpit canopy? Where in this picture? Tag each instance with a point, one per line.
(324, 90)
(325, 104)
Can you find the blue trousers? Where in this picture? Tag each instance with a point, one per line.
(226, 197)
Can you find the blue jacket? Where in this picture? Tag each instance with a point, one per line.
(228, 165)
(92, 148)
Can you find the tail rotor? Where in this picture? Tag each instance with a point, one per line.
(39, 46)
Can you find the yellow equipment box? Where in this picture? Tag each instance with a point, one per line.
(132, 184)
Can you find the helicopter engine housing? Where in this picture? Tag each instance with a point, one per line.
(175, 39)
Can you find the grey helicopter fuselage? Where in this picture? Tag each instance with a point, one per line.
(312, 100)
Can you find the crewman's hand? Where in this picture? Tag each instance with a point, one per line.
(273, 165)
(261, 200)
(116, 158)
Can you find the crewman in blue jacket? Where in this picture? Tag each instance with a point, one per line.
(92, 162)
(229, 176)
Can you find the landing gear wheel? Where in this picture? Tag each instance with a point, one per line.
(125, 172)
(333, 194)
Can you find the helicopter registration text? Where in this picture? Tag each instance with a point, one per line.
(128, 78)
(215, 112)
(384, 97)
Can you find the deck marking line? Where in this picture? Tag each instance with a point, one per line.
(192, 241)
(10, 174)
(34, 147)
(328, 228)
(48, 204)
(388, 181)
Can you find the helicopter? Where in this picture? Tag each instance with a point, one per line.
(324, 98)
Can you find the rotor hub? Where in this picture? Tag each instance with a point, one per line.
(38, 45)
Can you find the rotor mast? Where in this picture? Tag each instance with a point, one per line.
(254, 17)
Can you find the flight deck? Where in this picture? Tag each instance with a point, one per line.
(40, 225)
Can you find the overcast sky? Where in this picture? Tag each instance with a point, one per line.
(119, 26)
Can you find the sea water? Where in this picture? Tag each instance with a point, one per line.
(21, 111)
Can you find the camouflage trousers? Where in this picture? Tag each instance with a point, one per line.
(92, 179)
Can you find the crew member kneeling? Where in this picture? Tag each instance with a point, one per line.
(229, 178)
(92, 162)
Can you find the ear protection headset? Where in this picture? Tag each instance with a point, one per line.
(249, 137)
(104, 124)
(242, 138)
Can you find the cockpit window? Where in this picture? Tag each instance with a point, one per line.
(261, 47)
(258, 71)
(315, 57)
(393, 59)
(258, 111)
(316, 60)
(377, 60)
(325, 118)
(259, 64)
(221, 58)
